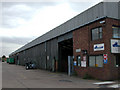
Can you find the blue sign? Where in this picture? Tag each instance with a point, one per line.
(75, 63)
(98, 47)
(116, 44)
(105, 61)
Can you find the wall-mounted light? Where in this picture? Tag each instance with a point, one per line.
(102, 22)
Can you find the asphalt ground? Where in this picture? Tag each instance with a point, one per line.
(15, 76)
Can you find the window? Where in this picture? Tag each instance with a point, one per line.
(92, 61)
(96, 61)
(117, 63)
(116, 32)
(97, 33)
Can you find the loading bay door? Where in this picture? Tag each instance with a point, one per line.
(65, 49)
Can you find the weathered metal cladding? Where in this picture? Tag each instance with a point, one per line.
(42, 54)
(15, 58)
(39, 54)
(111, 9)
(35, 54)
(51, 53)
(65, 37)
(19, 58)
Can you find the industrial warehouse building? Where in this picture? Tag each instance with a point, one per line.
(91, 38)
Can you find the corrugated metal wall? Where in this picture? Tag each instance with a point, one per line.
(35, 54)
(52, 52)
(43, 54)
(39, 54)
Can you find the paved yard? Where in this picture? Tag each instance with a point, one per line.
(14, 76)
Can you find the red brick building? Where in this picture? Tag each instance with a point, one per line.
(98, 33)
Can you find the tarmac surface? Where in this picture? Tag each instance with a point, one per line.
(15, 76)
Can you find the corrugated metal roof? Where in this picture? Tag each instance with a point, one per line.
(103, 9)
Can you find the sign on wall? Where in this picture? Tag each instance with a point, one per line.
(75, 63)
(99, 47)
(105, 58)
(78, 50)
(83, 63)
(84, 58)
(115, 46)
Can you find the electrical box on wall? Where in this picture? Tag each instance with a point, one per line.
(84, 51)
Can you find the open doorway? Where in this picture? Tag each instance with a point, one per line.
(65, 49)
(117, 60)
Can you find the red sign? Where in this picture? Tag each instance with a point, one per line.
(105, 56)
(84, 58)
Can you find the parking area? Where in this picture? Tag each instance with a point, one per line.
(14, 76)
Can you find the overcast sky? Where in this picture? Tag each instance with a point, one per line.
(21, 22)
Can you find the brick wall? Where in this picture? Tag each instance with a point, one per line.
(82, 40)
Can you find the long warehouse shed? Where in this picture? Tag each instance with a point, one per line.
(98, 11)
(86, 38)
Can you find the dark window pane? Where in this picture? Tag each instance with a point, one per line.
(116, 32)
(119, 33)
(100, 30)
(92, 61)
(99, 61)
(100, 35)
(96, 33)
(117, 61)
(96, 61)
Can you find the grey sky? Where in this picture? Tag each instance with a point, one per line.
(12, 11)
(25, 21)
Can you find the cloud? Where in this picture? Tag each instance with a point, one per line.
(16, 40)
(18, 8)
(41, 22)
(24, 21)
(16, 15)
(17, 29)
(9, 44)
(51, 17)
(7, 48)
(36, 20)
(82, 5)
